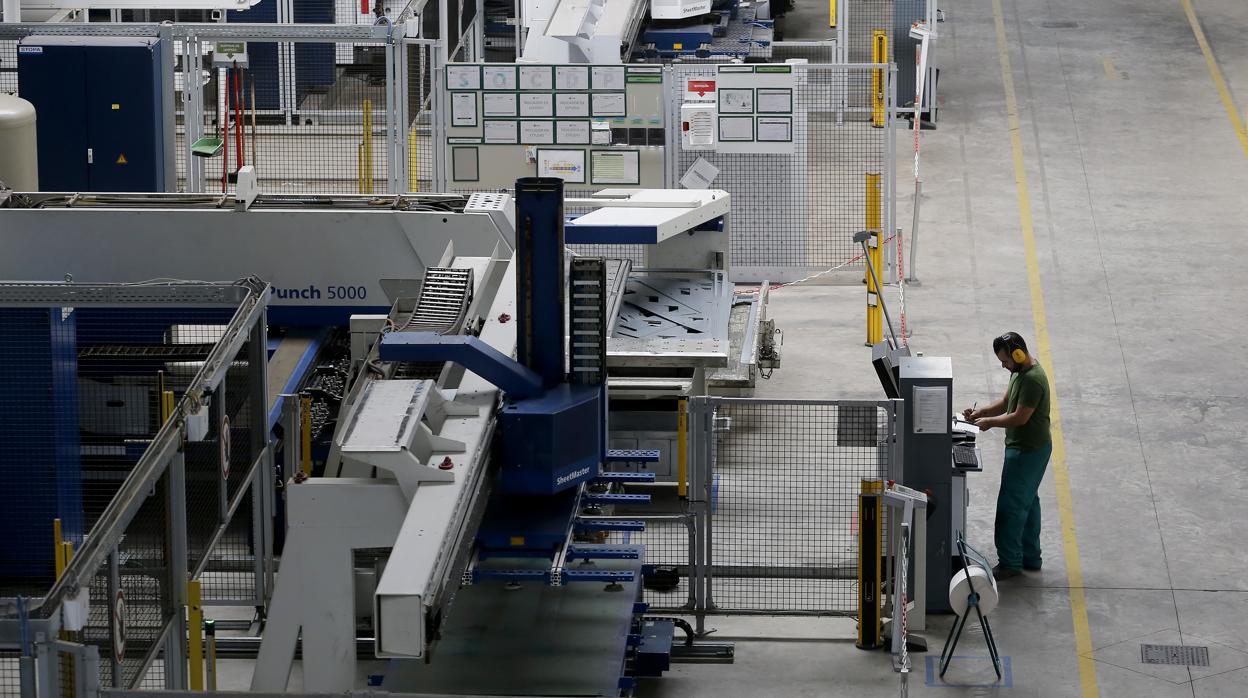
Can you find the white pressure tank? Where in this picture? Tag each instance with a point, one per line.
(19, 153)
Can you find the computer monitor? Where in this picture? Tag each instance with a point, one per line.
(887, 361)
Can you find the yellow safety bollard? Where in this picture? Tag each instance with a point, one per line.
(875, 315)
(879, 55)
(195, 632)
(413, 172)
(58, 549)
(167, 403)
(832, 13)
(870, 548)
(366, 150)
(305, 436)
(682, 448)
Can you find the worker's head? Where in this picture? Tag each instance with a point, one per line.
(1011, 351)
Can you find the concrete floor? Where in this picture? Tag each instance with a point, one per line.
(1136, 182)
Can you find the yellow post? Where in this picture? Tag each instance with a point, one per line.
(305, 435)
(682, 447)
(870, 552)
(879, 55)
(413, 179)
(875, 252)
(366, 150)
(832, 13)
(166, 405)
(195, 628)
(58, 548)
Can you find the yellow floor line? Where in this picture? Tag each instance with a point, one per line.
(1061, 474)
(1216, 73)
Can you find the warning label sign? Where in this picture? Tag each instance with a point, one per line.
(699, 90)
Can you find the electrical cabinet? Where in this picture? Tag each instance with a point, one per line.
(100, 105)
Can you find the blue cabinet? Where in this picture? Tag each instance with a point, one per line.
(100, 109)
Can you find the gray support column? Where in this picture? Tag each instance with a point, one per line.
(168, 93)
(262, 484)
(47, 668)
(193, 98)
(175, 642)
(116, 617)
(392, 118)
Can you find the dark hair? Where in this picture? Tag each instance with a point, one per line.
(1008, 342)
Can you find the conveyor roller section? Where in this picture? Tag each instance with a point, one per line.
(603, 552)
(592, 524)
(588, 308)
(616, 499)
(632, 455)
(643, 478)
(445, 295)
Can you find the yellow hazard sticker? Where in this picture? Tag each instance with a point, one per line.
(116, 107)
(121, 159)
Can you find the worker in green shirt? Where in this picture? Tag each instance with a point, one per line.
(1024, 413)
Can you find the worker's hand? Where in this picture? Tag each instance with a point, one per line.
(966, 414)
(984, 424)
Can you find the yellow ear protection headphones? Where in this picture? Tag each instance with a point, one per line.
(1011, 341)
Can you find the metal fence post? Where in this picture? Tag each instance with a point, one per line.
(437, 85)
(88, 672)
(890, 170)
(262, 484)
(193, 118)
(117, 618)
(47, 668)
(175, 642)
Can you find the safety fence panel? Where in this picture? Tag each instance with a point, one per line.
(783, 481)
(670, 548)
(863, 19)
(137, 417)
(796, 215)
(809, 51)
(310, 116)
(421, 131)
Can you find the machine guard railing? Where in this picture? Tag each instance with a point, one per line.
(182, 512)
(774, 485)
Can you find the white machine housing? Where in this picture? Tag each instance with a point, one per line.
(678, 9)
(581, 31)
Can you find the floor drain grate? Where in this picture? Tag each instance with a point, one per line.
(1182, 655)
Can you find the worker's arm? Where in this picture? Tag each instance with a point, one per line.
(1030, 393)
(1017, 418)
(992, 409)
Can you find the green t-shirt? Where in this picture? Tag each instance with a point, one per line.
(1029, 388)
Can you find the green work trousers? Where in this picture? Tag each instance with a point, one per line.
(1018, 507)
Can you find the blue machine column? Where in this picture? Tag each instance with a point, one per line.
(540, 283)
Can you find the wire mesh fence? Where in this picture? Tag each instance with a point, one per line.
(785, 476)
(797, 214)
(8, 66)
(149, 451)
(864, 18)
(420, 130)
(310, 117)
(810, 51)
(10, 673)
